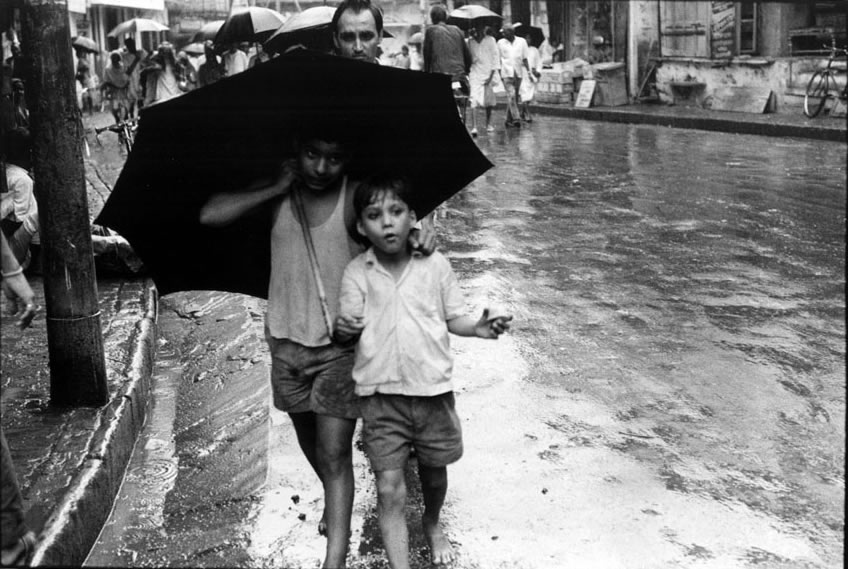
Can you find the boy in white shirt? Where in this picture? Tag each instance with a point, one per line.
(401, 306)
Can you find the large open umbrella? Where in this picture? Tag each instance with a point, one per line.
(470, 15)
(310, 28)
(402, 123)
(86, 44)
(251, 24)
(137, 25)
(207, 31)
(533, 34)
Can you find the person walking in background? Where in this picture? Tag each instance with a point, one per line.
(485, 63)
(186, 74)
(18, 208)
(160, 77)
(235, 60)
(212, 69)
(445, 50)
(83, 76)
(115, 85)
(527, 91)
(401, 60)
(261, 56)
(401, 306)
(133, 59)
(514, 53)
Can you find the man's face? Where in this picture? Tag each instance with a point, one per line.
(357, 36)
(509, 34)
(321, 163)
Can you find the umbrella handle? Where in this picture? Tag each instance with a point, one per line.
(313, 261)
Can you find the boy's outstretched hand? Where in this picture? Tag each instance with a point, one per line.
(492, 326)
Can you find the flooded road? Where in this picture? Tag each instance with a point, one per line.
(672, 393)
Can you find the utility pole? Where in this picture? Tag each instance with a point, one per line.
(74, 337)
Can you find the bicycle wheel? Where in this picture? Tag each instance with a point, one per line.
(817, 91)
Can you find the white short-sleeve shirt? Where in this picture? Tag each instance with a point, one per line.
(404, 348)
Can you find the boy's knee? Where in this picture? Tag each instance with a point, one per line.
(391, 488)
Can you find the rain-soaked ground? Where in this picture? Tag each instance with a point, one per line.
(672, 393)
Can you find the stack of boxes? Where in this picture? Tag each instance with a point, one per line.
(555, 86)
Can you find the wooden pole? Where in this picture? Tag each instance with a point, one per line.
(74, 338)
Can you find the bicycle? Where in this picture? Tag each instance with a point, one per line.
(823, 82)
(125, 131)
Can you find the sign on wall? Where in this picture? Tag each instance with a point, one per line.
(722, 29)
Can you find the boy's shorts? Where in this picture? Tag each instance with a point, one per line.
(391, 424)
(313, 379)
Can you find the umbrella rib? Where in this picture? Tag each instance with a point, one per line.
(313, 260)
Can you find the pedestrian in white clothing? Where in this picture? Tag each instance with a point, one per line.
(514, 53)
(529, 81)
(485, 62)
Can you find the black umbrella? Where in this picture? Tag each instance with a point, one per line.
(251, 24)
(532, 34)
(238, 131)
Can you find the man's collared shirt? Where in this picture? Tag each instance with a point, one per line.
(512, 56)
(404, 348)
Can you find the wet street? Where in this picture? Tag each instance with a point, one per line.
(671, 394)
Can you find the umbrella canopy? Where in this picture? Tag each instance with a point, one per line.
(86, 44)
(310, 28)
(417, 37)
(470, 15)
(533, 34)
(137, 25)
(402, 122)
(252, 24)
(195, 48)
(207, 31)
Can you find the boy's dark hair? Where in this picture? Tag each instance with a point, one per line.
(373, 186)
(357, 6)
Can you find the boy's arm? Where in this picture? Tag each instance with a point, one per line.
(350, 320)
(226, 207)
(485, 327)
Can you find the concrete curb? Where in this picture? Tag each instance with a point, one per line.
(763, 125)
(75, 523)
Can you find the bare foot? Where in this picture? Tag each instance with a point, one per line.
(441, 550)
(322, 525)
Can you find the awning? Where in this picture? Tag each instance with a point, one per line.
(77, 6)
(157, 5)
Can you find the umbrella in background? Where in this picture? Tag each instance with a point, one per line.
(310, 28)
(85, 44)
(137, 25)
(417, 37)
(207, 31)
(252, 24)
(470, 15)
(402, 123)
(533, 34)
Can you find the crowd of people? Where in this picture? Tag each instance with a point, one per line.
(479, 65)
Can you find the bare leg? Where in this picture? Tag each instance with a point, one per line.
(307, 437)
(335, 458)
(488, 117)
(434, 487)
(391, 503)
